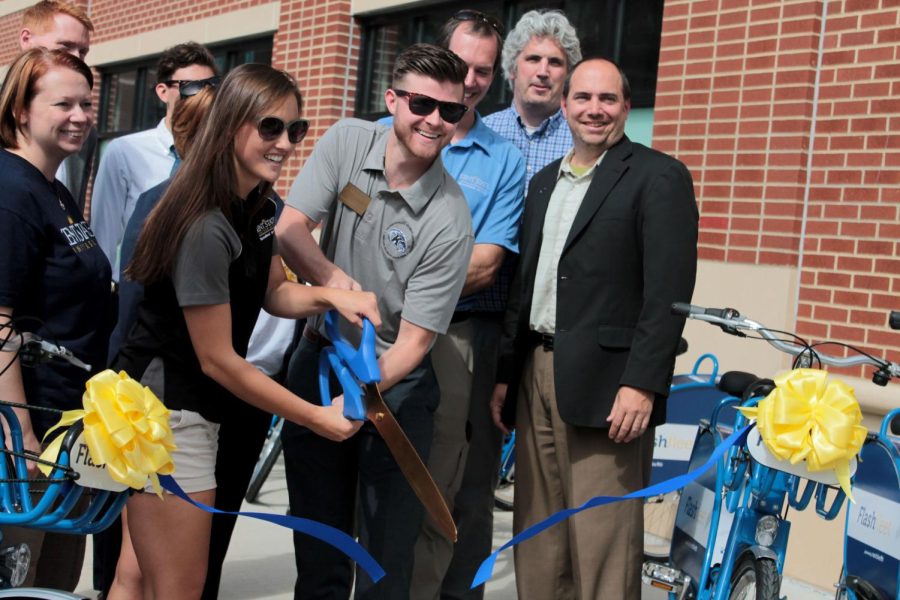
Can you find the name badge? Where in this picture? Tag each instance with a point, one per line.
(355, 199)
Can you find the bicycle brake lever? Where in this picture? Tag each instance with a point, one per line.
(36, 350)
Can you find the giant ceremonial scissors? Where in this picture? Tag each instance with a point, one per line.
(358, 373)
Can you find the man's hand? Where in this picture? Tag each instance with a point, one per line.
(340, 280)
(630, 414)
(498, 399)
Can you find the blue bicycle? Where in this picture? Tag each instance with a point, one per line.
(59, 502)
(731, 530)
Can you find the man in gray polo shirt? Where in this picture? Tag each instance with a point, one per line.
(396, 224)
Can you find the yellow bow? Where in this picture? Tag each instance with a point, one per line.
(805, 418)
(126, 428)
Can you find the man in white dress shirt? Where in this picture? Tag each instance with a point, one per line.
(134, 163)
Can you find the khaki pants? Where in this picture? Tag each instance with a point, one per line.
(598, 553)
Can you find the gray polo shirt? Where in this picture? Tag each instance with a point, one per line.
(411, 247)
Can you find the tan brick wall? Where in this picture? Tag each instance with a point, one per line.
(735, 102)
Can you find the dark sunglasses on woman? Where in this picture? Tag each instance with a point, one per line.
(188, 88)
(422, 105)
(271, 128)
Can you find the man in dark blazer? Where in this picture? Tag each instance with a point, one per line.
(608, 242)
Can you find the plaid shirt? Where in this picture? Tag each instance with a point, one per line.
(550, 141)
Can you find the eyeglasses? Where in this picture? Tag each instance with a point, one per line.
(192, 87)
(271, 128)
(474, 15)
(422, 105)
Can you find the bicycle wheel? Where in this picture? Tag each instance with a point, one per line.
(659, 520)
(267, 459)
(755, 579)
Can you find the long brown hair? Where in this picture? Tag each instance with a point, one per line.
(207, 180)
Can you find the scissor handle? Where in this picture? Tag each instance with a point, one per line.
(354, 404)
(362, 361)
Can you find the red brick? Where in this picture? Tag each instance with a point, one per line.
(778, 258)
(852, 263)
(866, 317)
(852, 334)
(829, 313)
(884, 265)
(740, 256)
(812, 330)
(858, 229)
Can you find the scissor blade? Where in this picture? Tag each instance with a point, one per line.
(408, 460)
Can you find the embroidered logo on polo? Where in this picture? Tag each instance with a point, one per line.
(265, 228)
(397, 240)
(79, 236)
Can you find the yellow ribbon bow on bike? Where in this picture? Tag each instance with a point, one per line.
(807, 418)
(126, 428)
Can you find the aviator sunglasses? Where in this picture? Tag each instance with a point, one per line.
(271, 128)
(422, 105)
(188, 88)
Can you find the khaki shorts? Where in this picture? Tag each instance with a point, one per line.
(197, 442)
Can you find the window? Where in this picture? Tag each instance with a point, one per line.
(128, 100)
(626, 31)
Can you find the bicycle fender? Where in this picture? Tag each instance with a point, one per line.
(763, 552)
(354, 405)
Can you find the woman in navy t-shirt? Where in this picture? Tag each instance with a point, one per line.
(54, 279)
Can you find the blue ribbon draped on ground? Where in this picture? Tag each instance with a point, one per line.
(329, 535)
(486, 570)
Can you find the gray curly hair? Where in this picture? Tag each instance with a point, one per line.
(540, 24)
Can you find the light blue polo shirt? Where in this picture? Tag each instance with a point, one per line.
(490, 170)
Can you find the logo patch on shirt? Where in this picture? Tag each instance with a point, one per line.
(265, 228)
(79, 236)
(473, 182)
(397, 240)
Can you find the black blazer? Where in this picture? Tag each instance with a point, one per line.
(631, 253)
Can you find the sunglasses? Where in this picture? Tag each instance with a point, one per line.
(271, 128)
(422, 105)
(474, 15)
(192, 87)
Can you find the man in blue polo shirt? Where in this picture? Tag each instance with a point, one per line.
(537, 56)
(491, 173)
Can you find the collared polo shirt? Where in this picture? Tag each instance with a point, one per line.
(131, 165)
(410, 247)
(561, 210)
(491, 173)
(551, 140)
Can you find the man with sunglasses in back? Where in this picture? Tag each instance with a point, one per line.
(465, 449)
(396, 224)
(132, 164)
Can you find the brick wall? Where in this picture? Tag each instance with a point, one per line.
(736, 102)
(313, 43)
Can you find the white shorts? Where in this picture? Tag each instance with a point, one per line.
(196, 441)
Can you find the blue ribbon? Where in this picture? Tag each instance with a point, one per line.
(326, 533)
(486, 570)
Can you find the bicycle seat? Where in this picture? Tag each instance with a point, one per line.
(744, 385)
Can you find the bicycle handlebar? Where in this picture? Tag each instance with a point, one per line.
(731, 321)
(35, 350)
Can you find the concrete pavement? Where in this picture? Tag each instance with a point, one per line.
(260, 561)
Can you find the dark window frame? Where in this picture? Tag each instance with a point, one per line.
(419, 23)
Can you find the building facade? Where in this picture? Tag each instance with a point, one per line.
(787, 112)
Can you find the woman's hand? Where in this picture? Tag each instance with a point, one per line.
(332, 424)
(353, 306)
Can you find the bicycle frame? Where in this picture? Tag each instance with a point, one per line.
(872, 530)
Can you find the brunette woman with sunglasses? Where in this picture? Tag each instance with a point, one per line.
(54, 279)
(208, 260)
